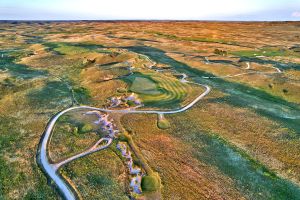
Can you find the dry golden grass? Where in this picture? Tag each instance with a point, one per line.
(274, 84)
(258, 136)
(174, 162)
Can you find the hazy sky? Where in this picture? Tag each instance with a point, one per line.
(150, 9)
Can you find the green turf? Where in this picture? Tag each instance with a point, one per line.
(158, 90)
(145, 86)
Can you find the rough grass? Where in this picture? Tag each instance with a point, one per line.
(72, 134)
(128, 138)
(249, 176)
(273, 84)
(98, 176)
(268, 52)
(20, 124)
(254, 134)
(193, 39)
(174, 162)
(54, 94)
(20, 71)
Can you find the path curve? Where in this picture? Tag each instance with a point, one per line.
(52, 169)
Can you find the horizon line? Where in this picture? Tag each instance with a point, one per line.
(138, 20)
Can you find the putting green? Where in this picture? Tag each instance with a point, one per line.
(144, 86)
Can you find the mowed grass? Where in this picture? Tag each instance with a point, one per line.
(159, 90)
(144, 86)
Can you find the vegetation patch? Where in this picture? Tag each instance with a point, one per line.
(162, 122)
(20, 71)
(267, 52)
(233, 162)
(66, 48)
(151, 183)
(128, 138)
(99, 180)
(54, 94)
(9, 136)
(82, 95)
(73, 133)
(98, 176)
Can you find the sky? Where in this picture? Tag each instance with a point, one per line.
(237, 10)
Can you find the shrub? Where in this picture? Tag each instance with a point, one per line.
(82, 95)
(86, 128)
(122, 90)
(99, 180)
(220, 52)
(270, 86)
(163, 124)
(75, 130)
(130, 103)
(124, 137)
(150, 183)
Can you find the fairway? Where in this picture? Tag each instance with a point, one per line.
(158, 90)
